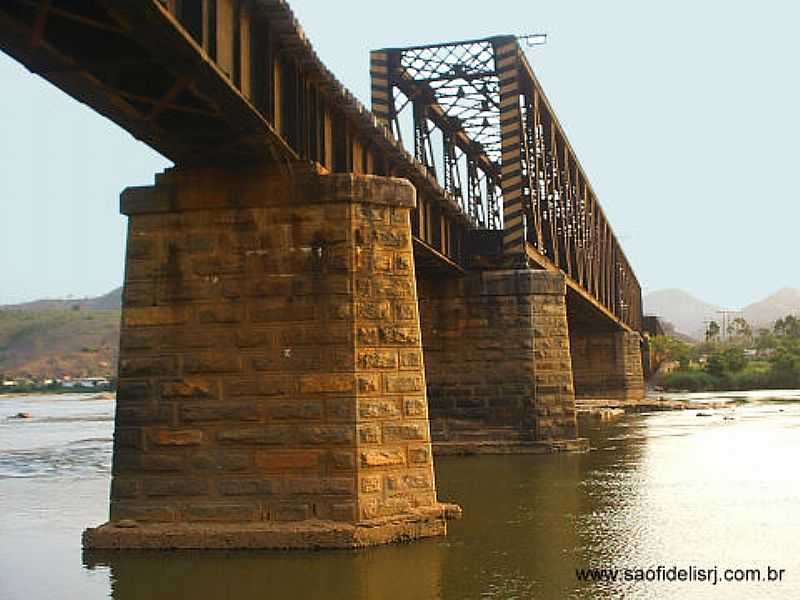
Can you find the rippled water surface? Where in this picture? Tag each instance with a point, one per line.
(657, 489)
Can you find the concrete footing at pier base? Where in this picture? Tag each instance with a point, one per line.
(473, 447)
(271, 386)
(310, 534)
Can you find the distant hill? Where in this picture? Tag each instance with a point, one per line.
(57, 337)
(680, 308)
(110, 301)
(687, 313)
(778, 305)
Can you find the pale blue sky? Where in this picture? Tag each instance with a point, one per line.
(683, 113)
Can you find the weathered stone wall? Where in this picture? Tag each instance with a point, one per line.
(270, 363)
(497, 357)
(607, 365)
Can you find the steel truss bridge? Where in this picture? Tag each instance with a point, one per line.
(237, 81)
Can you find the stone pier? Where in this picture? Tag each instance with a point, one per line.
(497, 359)
(271, 380)
(607, 366)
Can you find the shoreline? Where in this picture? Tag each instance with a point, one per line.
(609, 408)
(105, 395)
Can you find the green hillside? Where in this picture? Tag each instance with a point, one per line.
(56, 342)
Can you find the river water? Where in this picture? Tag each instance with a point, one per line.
(669, 489)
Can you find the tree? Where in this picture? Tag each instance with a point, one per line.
(725, 362)
(665, 348)
(740, 331)
(764, 342)
(785, 369)
(788, 327)
(712, 331)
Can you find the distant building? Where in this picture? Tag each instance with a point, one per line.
(88, 383)
(93, 382)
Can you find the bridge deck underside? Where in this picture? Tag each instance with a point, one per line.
(142, 73)
(584, 310)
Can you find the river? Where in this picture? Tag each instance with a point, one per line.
(670, 489)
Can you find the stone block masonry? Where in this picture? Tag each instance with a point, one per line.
(497, 358)
(607, 366)
(271, 382)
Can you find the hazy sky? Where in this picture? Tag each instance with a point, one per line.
(684, 115)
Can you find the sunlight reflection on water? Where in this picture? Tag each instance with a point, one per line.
(663, 488)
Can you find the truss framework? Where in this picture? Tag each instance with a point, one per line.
(482, 125)
(452, 95)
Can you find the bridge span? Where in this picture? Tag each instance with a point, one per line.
(311, 310)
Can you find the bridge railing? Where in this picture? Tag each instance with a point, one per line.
(261, 48)
(549, 202)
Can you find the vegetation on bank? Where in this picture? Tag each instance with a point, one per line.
(744, 360)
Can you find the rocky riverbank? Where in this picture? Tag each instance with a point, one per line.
(605, 409)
